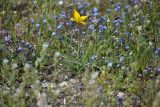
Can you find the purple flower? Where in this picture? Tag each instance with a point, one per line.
(134, 1)
(158, 70)
(80, 6)
(95, 10)
(117, 22)
(127, 47)
(37, 25)
(139, 75)
(76, 30)
(19, 49)
(32, 21)
(116, 31)
(103, 28)
(22, 43)
(6, 38)
(44, 21)
(75, 1)
(118, 65)
(81, 86)
(95, 20)
(120, 98)
(55, 17)
(117, 7)
(100, 89)
(63, 15)
(88, 4)
(67, 23)
(91, 28)
(127, 6)
(157, 51)
(143, 18)
(149, 69)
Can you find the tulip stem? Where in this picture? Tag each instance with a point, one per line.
(78, 43)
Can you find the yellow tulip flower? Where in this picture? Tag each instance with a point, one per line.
(77, 18)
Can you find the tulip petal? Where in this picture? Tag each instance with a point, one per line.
(84, 23)
(72, 19)
(83, 18)
(76, 15)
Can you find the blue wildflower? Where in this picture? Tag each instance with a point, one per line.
(37, 25)
(55, 17)
(157, 52)
(119, 65)
(32, 21)
(95, 10)
(44, 21)
(158, 70)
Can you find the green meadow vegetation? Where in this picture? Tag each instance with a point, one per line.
(52, 57)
